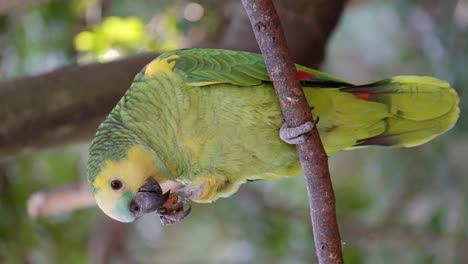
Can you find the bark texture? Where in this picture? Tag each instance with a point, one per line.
(63, 106)
(269, 34)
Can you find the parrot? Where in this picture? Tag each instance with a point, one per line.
(210, 120)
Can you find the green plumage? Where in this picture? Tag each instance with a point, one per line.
(214, 112)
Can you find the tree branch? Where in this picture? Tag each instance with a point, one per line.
(306, 24)
(270, 37)
(69, 198)
(7, 6)
(63, 106)
(60, 200)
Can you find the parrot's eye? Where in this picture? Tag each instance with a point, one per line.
(116, 184)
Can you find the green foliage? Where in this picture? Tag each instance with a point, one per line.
(120, 35)
(352, 254)
(52, 240)
(37, 40)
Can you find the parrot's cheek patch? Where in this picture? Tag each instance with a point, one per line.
(149, 198)
(115, 205)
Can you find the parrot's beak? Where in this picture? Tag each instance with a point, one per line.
(149, 198)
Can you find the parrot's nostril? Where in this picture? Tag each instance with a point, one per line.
(134, 207)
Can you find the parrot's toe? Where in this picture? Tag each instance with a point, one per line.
(173, 217)
(296, 135)
(172, 210)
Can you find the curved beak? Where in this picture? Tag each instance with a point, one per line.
(149, 198)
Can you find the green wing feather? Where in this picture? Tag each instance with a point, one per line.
(401, 111)
(210, 66)
(215, 66)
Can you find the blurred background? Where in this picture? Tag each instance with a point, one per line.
(393, 205)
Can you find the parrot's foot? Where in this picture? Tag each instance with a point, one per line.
(172, 211)
(296, 135)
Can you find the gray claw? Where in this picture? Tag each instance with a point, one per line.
(172, 211)
(296, 135)
(174, 217)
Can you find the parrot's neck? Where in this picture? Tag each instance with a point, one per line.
(156, 149)
(157, 124)
(141, 154)
(164, 171)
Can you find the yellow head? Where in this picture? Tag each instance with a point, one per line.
(119, 181)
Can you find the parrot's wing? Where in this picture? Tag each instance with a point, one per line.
(215, 66)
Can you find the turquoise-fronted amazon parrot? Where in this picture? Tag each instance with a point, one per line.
(210, 119)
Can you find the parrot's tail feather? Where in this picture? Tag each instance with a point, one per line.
(420, 108)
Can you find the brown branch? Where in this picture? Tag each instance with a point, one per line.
(7, 6)
(59, 200)
(270, 37)
(63, 106)
(306, 24)
(357, 233)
